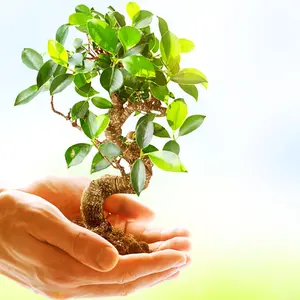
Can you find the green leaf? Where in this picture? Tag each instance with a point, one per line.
(160, 92)
(110, 150)
(191, 90)
(58, 53)
(99, 163)
(160, 78)
(86, 91)
(149, 117)
(176, 113)
(32, 59)
(111, 79)
(150, 149)
(62, 33)
(172, 146)
(103, 61)
(139, 66)
(191, 124)
(142, 19)
(26, 95)
(60, 83)
(135, 50)
(79, 110)
(94, 125)
(138, 176)
(59, 70)
(46, 72)
(76, 154)
(163, 26)
(80, 80)
(111, 8)
(79, 19)
(156, 47)
(186, 45)
(87, 67)
(110, 20)
(132, 9)
(76, 59)
(167, 161)
(160, 131)
(103, 35)
(102, 103)
(83, 9)
(129, 37)
(119, 18)
(170, 51)
(78, 43)
(129, 80)
(144, 133)
(190, 76)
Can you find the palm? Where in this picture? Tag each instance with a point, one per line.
(121, 211)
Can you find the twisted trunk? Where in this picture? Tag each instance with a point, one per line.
(92, 202)
(92, 211)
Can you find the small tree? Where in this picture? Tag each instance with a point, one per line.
(135, 68)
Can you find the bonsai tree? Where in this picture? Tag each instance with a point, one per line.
(135, 66)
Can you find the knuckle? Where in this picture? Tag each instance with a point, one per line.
(80, 235)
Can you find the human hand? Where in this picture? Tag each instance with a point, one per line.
(35, 255)
(121, 211)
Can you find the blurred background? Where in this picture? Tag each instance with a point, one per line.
(241, 195)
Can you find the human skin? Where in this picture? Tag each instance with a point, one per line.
(42, 249)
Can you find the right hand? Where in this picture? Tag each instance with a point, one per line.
(44, 251)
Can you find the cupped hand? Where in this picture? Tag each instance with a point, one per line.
(41, 249)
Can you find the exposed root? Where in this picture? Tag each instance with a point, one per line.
(92, 211)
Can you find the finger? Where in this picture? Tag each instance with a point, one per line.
(125, 206)
(177, 243)
(174, 276)
(152, 235)
(132, 267)
(123, 289)
(46, 223)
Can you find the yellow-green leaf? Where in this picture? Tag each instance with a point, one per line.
(190, 76)
(186, 45)
(176, 113)
(132, 9)
(129, 37)
(79, 19)
(139, 66)
(58, 53)
(167, 161)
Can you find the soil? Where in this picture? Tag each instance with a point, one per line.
(124, 243)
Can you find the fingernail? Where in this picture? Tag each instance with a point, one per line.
(180, 263)
(107, 258)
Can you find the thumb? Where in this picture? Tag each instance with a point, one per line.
(50, 225)
(85, 246)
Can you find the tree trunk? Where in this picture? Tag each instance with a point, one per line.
(92, 211)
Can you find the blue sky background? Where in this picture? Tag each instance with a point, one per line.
(243, 186)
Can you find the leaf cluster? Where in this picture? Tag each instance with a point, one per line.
(128, 58)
